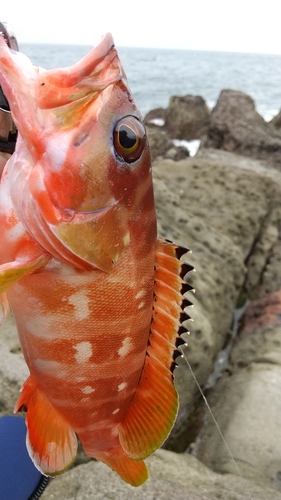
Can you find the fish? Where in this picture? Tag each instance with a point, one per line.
(97, 296)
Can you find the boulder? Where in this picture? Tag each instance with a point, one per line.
(246, 401)
(158, 141)
(172, 475)
(161, 145)
(276, 121)
(227, 210)
(155, 117)
(236, 126)
(186, 117)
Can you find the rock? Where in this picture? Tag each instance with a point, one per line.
(177, 153)
(172, 475)
(247, 407)
(223, 207)
(155, 117)
(263, 313)
(13, 369)
(236, 126)
(259, 335)
(246, 400)
(186, 117)
(161, 145)
(276, 121)
(158, 141)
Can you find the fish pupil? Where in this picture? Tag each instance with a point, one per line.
(127, 137)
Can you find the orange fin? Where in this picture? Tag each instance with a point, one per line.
(153, 409)
(4, 308)
(11, 272)
(51, 442)
(134, 473)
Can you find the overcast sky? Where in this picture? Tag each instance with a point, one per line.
(239, 26)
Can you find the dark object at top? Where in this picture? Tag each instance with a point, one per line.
(9, 36)
(7, 146)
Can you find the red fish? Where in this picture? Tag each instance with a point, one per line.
(97, 297)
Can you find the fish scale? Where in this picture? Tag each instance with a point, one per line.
(97, 296)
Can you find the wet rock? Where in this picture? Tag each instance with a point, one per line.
(247, 407)
(172, 475)
(236, 126)
(155, 117)
(259, 335)
(246, 400)
(222, 206)
(263, 313)
(186, 117)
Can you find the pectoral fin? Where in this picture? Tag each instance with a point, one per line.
(153, 409)
(11, 272)
(51, 442)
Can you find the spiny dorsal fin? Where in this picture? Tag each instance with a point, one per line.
(153, 409)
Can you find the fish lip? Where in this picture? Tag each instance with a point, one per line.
(67, 215)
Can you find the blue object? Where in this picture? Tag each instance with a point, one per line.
(19, 478)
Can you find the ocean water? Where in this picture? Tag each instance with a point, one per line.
(156, 74)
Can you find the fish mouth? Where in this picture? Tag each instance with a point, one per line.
(96, 237)
(94, 72)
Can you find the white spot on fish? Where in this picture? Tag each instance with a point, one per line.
(126, 347)
(122, 386)
(84, 351)
(141, 304)
(116, 411)
(88, 389)
(140, 294)
(126, 239)
(56, 155)
(80, 302)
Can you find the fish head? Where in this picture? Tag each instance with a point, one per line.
(89, 163)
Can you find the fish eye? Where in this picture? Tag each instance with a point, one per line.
(129, 138)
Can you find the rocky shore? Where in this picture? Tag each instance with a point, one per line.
(224, 204)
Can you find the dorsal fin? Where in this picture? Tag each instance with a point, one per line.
(153, 409)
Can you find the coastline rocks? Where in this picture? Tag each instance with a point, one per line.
(186, 117)
(222, 206)
(161, 145)
(155, 117)
(246, 400)
(172, 475)
(235, 126)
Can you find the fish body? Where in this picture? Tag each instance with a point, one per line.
(96, 296)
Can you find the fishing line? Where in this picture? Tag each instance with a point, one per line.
(211, 413)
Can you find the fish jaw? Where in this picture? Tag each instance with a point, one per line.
(98, 239)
